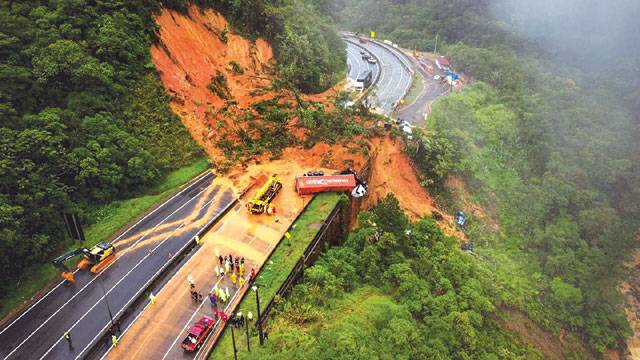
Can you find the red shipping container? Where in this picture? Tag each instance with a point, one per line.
(315, 184)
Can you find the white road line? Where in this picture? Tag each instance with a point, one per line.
(119, 281)
(157, 295)
(97, 275)
(225, 309)
(110, 290)
(146, 284)
(357, 63)
(198, 178)
(402, 72)
(194, 314)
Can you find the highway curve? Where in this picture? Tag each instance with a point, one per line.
(143, 250)
(395, 73)
(358, 66)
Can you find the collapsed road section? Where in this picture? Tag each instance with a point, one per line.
(91, 304)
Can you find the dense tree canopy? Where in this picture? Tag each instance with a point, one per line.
(410, 293)
(84, 119)
(546, 146)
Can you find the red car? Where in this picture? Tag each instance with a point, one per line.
(197, 334)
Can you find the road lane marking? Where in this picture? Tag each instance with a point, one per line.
(110, 290)
(215, 218)
(158, 294)
(197, 179)
(97, 275)
(194, 314)
(149, 254)
(357, 62)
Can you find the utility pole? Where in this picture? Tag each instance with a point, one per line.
(113, 325)
(233, 339)
(435, 48)
(246, 329)
(255, 288)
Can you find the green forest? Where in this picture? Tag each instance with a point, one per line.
(543, 137)
(84, 120)
(545, 143)
(410, 294)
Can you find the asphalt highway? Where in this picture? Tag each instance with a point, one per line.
(395, 77)
(357, 66)
(142, 250)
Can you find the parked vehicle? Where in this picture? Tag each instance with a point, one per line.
(197, 334)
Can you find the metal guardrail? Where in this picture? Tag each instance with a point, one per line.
(293, 276)
(375, 82)
(298, 270)
(397, 54)
(189, 245)
(402, 57)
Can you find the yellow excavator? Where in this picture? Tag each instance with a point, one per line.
(98, 258)
(262, 199)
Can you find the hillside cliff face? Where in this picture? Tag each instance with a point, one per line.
(195, 47)
(204, 67)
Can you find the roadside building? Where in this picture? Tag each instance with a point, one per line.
(443, 64)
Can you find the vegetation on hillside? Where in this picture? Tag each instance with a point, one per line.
(272, 125)
(309, 52)
(548, 147)
(83, 117)
(84, 120)
(410, 293)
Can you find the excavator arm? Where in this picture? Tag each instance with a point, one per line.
(59, 263)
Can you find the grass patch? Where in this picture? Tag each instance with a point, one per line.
(415, 90)
(109, 219)
(284, 258)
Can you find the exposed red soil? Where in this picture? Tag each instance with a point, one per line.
(631, 291)
(392, 173)
(191, 51)
(532, 333)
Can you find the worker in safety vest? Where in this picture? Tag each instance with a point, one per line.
(67, 336)
(114, 340)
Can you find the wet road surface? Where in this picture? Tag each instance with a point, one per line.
(142, 251)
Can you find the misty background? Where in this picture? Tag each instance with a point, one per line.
(544, 135)
(591, 33)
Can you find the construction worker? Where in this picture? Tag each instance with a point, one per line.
(67, 336)
(250, 316)
(152, 298)
(114, 340)
(241, 268)
(233, 279)
(241, 281)
(216, 290)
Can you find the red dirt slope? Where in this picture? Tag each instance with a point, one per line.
(191, 51)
